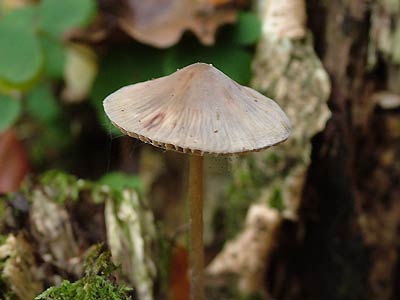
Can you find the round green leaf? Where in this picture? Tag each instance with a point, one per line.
(25, 16)
(10, 110)
(54, 57)
(58, 16)
(247, 30)
(42, 105)
(21, 56)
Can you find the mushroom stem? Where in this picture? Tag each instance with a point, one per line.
(196, 227)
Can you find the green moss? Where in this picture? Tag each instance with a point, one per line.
(119, 181)
(61, 187)
(276, 200)
(97, 284)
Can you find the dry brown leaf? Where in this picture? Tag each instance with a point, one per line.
(179, 279)
(230, 2)
(162, 23)
(13, 162)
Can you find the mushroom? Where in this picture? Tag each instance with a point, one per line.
(198, 110)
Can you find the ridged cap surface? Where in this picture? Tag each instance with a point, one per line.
(198, 110)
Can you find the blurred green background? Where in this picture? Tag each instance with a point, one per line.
(60, 59)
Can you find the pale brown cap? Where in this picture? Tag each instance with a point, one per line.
(198, 110)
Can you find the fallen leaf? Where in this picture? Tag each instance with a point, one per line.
(179, 279)
(13, 162)
(230, 2)
(162, 23)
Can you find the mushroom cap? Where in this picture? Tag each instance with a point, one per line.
(198, 110)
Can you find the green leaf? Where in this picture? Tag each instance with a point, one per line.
(57, 16)
(119, 181)
(54, 57)
(42, 105)
(21, 56)
(247, 30)
(230, 59)
(25, 16)
(10, 110)
(122, 66)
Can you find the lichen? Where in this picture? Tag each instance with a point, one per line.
(131, 233)
(384, 35)
(17, 269)
(52, 228)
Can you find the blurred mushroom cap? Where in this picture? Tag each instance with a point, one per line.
(198, 110)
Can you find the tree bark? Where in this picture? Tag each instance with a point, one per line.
(350, 211)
